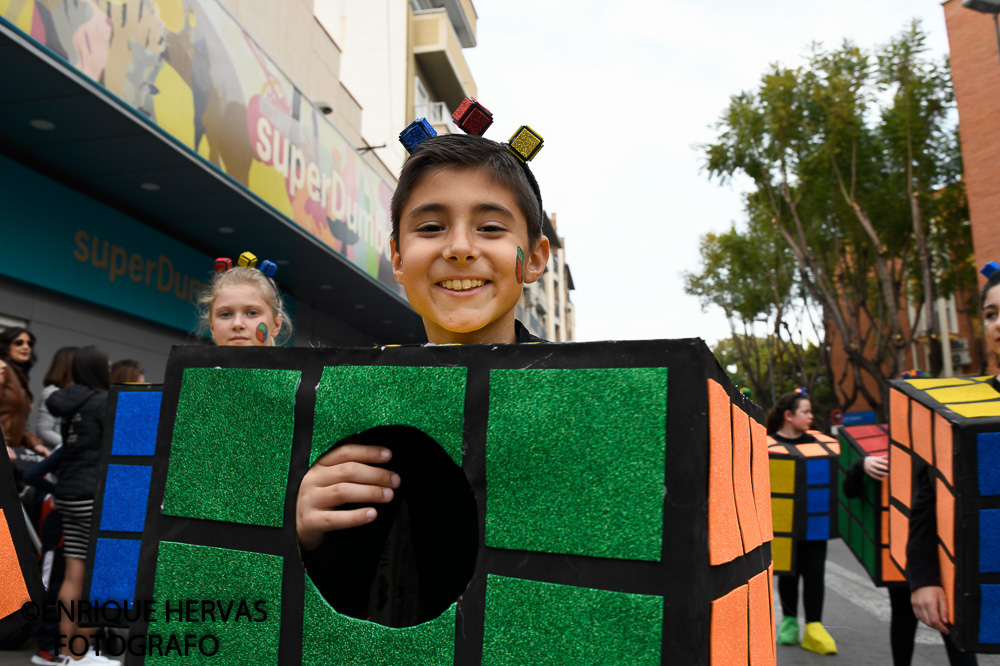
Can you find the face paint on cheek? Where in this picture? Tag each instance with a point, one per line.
(262, 332)
(519, 267)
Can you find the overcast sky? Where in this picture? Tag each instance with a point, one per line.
(622, 92)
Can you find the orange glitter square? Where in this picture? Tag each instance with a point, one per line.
(13, 590)
(730, 628)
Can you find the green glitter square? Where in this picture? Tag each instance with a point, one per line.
(869, 556)
(331, 638)
(873, 491)
(856, 507)
(232, 445)
(352, 399)
(857, 537)
(528, 622)
(218, 575)
(869, 520)
(575, 453)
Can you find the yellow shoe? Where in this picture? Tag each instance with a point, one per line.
(817, 639)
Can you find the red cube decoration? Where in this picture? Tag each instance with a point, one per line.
(223, 264)
(472, 117)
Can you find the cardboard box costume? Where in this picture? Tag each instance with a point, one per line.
(954, 426)
(863, 522)
(621, 494)
(20, 577)
(121, 497)
(803, 502)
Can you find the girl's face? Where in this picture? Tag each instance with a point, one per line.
(20, 348)
(802, 417)
(240, 316)
(991, 319)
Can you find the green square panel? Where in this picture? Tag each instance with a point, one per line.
(873, 491)
(352, 399)
(871, 528)
(857, 506)
(857, 537)
(844, 524)
(528, 622)
(244, 591)
(360, 642)
(840, 493)
(571, 454)
(869, 556)
(232, 445)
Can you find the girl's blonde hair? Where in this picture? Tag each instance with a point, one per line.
(243, 275)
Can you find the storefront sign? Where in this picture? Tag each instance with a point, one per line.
(190, 68)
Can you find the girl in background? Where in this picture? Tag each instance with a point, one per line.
(82, 406)
(242, 307)
(59, 376)
(787, 423)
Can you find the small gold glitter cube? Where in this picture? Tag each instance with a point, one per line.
(525, 143)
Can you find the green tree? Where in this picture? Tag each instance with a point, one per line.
(847, 155)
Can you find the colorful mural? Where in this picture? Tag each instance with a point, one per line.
(189, 67)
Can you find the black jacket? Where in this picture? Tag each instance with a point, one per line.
(83, 411)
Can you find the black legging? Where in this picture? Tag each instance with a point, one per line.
(810, 559)
(902, 626)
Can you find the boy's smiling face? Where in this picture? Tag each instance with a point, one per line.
(456, 256)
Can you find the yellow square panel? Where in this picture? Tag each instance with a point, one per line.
(783, 476)
(971, 393)
(781, 553)
(924, 384)
(782, 513)
(972, 410)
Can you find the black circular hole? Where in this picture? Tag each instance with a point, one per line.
(418, 556)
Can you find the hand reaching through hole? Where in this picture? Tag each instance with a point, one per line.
(344, 475)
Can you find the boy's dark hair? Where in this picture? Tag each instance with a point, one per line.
(463, 151)
(991, 282)
(787, 402)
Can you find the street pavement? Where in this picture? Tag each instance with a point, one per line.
(857, 615)
(855, 612)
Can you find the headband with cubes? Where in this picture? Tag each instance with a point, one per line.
(247, 260)
(474, 118)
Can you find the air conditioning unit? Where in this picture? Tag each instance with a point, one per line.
(960, 352)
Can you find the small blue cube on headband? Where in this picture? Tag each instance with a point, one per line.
(989, 269)
(416, 133)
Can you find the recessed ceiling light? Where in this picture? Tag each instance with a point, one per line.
(150, 187)
(226, 230)
(386, 321)
(326, 286)
(359, 306)
(282, 262)
(42, 124)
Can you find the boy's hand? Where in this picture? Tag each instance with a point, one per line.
(877, 467)
(342, 476)
(930, 605)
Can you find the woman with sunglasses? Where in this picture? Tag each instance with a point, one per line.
(17, 355)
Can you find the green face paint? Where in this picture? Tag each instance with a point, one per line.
(519, 267)
(262, 332)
